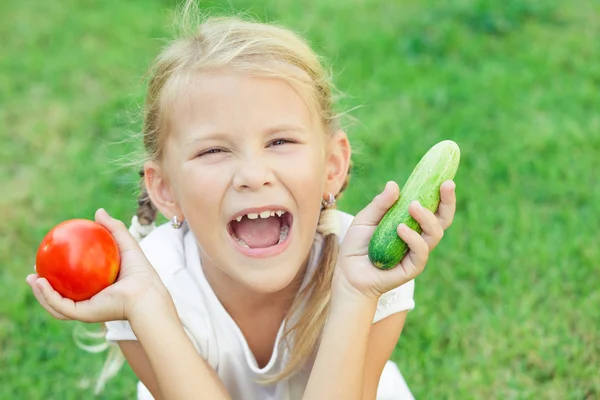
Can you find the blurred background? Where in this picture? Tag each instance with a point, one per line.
(509, 306)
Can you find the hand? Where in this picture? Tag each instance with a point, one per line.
(356, 273)
(137, 280)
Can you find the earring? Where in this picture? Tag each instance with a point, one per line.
(175, 223)
(329, 202)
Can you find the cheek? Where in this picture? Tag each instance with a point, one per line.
(200, 192)
(304, 176)
(306, 168)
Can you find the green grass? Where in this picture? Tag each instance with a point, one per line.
(508, 307)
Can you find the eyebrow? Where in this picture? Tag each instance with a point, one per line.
(285, 127)
(204, 137)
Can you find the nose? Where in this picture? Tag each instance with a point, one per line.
(253, 172)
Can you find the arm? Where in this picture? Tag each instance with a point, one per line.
(166, 358)
(339, 369)
(138, 361)
(176, 370)
(350, 359)
(382, 341)
(353, 351)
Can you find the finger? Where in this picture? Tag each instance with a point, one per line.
(374, 211)
(56, 302)
(414, 262)
(85, 311)
(118, 230)
(432, 230)
(40, 298)
(447, 206)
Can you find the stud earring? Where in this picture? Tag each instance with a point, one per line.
(329, 202)
(175, 223)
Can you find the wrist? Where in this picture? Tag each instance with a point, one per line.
(156, 303)
(342, 291)
(347, 300)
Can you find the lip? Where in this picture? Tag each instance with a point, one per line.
(267, 251)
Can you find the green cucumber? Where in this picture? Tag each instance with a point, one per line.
(439, 164)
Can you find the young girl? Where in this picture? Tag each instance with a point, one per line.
(258, 288)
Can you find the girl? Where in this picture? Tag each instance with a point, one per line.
(258, 288)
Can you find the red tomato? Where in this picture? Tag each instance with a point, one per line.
(79, 258)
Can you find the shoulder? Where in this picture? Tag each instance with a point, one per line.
(173, 255)
(164, 248)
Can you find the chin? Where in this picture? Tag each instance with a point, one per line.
(263, 278)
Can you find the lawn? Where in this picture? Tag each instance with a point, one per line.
(508, 306)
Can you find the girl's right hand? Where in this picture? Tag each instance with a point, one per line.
(136, 281)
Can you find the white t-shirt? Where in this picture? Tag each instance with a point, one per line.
(214, 334)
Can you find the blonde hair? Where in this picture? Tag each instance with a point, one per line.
(262, 50)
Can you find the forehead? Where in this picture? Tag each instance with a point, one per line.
(234, 103)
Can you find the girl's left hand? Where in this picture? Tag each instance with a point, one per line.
(355, 272)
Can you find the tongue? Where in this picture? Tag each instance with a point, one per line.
(258, 233)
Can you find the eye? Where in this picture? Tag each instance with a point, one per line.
(210, 151)
(279, 142)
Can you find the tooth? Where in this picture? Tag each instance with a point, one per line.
(279, 213)
(238, 219)
(252, 215)
(265, 214)
(272, 213)
(283, 233)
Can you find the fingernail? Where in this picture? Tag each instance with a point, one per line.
(102, 212)
(403, 227)
(417, 204)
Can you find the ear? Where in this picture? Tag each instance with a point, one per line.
(160, 191)
(338, 162)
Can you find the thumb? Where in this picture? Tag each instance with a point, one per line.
(376, 209)
(118, 230)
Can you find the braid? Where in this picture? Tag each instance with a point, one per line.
(146, 211)
(142, 222)
(315, 297)
(304, 334)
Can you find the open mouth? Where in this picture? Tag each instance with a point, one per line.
(261, 230)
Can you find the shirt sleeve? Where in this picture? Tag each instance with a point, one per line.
(395, 301)
(119, 330)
